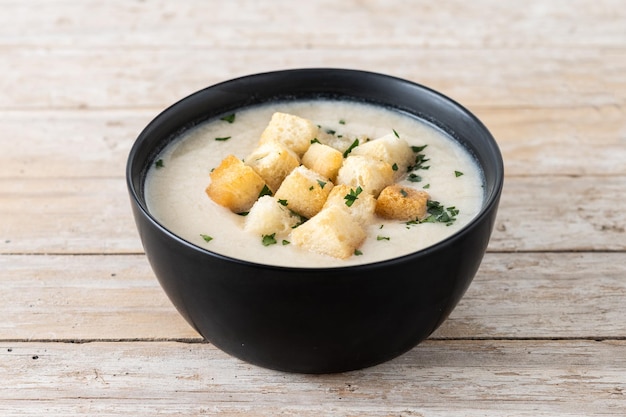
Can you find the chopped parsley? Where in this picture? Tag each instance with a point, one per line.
(331, 131)
(403, 192)
(342, 122)
(457, 173)
(440, 214)
(265, 191)
(414, 178)
(357, 252)
(379, 237)
(314, 140)
(352, 196)
(394, 166)
(396, 133)
(418, 149)
(420, 160)
(282, 202)
(206, 238)
(159, 163)
(426, 186)
(285, 242)
(230, 118)
(269, 239)
(352, 146)
(321, 183)
(223, 139)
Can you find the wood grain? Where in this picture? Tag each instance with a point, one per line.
(86, 328)
(438, 378)
(513, 296)
(93, 215)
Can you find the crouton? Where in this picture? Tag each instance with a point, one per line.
(234, 185)
(323, 159)
(292, 131)
(304, 191)
(372, 175)
(268, 216)
(273, 162)
(391, 149)
(361, 209)
(402, 203)
(331, 232)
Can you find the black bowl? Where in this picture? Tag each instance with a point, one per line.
(316, 320)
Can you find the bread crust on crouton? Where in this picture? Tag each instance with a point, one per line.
(372, 175)
(397, 202)
(361, 209)
(389, 148)
(323, 159)
(273, 162)
(331, 232)
(234, 185)
(304, 191)
(295, 132)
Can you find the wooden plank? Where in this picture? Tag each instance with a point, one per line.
(250, 24)
(135, 78)
(117, 297)
(93, 216)
(534, 141)
(438, 378)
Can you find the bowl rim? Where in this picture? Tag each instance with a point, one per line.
(490, 200)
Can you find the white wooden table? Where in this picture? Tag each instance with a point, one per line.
(85, 328)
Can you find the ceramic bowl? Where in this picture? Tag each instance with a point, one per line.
(316, 320)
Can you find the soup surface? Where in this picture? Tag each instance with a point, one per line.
(175, 184)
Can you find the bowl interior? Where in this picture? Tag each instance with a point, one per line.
(378, 89)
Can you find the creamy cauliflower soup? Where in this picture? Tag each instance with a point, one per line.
(440, 169)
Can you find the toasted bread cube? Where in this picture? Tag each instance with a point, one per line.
(362, 209)
(402, 203)
(372, 175)
(304, 191)
(323, 159)
(391, 149)
(268, 216)
(296, 133)
(234, 185)
(273, 162)
(331, 232)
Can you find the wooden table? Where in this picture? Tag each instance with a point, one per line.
(86, 329)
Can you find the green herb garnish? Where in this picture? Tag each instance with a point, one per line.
(426, 186)
(331, 131)
(394, 166)
(269, 239)
(206, 238)
(159, 163)
(418, 149)
(314, 140)
(379, 237)
(223, 139)
(403, 192)
(352, 196)
(265, 191)
(321, 183)
(285, 242)
(342, 122)
(357, 252)
(352, 146)
(440, 214)
(414, 178)
(230, 118)
(396, 133)
(457, 173)
(282, 202)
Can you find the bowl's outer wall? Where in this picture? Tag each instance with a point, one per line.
(327, 319)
